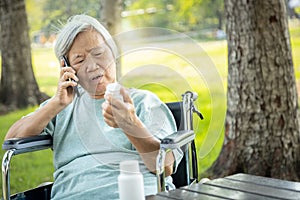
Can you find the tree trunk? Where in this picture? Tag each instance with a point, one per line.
(220, 20)
(262, 126)
(110, 16)
(18, 86)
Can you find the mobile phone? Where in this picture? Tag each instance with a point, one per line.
(67, 64)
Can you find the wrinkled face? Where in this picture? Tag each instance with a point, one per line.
(93, 62)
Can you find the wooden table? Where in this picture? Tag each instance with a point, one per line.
(238, 186)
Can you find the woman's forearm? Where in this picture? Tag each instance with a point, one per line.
(35, 123)
(148, 147)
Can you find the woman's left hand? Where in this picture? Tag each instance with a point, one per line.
(120, 114)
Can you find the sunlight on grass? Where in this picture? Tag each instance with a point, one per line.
(46, 69)
(295, 42)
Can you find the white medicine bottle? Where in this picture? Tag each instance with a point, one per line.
(114, 90)
(130, 181)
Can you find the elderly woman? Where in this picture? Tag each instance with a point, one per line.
(93, 132)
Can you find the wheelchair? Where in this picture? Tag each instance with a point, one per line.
(186, 174)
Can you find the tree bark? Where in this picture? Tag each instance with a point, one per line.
(262, 125)
(18, 86)
(110, 16)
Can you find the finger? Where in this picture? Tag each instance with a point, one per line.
(107, 114)
(67, 69)
(69, 75)
(111, 112)
(111, 123)
(124, 92)
(123, 108)
(106, 107)
(108, 98)
(62, 63)
(67, 84)
(114, 102)
(109, 118)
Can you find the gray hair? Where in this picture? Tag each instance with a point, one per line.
(76, 25)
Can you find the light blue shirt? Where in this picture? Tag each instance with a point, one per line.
(87, 151)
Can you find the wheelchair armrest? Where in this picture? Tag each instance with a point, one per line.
(29, 144)
(17, 146)
(177, 139)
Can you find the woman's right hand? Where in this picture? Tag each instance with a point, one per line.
(35, 123)
(65, 92)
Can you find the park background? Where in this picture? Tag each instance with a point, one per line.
(202, 21)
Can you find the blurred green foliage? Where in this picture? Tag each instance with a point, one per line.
(47, 15)
(179, 15)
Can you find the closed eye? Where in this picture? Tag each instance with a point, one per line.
(77, 59)
(98, 53)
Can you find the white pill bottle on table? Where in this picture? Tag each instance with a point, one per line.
(130, 181)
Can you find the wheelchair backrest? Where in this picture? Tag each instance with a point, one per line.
(180, 177)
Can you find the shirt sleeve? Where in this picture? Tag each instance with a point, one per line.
(49, 129)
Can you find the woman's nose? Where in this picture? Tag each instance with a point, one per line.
(91, 64)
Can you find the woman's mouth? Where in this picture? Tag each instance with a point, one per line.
(97, 78)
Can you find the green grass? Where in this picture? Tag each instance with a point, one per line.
(166, 74)
(46, 68)
(295, 43)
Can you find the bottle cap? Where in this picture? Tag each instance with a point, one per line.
(113, 87)
(129, 166)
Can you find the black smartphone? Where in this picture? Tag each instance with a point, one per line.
(67, 64)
